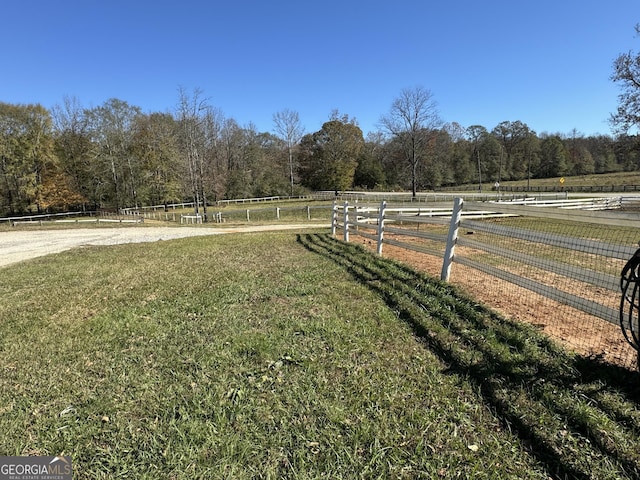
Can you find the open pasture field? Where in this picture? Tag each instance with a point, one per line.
(594, 179)
(291, 355)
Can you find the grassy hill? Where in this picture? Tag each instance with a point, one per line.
(601, 179)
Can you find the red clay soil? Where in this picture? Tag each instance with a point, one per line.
(582, 333)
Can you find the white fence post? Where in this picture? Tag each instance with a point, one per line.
(345, 226)
(334, 218)
(381, 214)
(452, 239)
(278, 213)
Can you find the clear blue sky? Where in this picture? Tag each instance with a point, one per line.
(545, 63)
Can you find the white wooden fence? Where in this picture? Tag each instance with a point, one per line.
(73, 217)
(562, 263)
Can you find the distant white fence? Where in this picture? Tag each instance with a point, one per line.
(172, 207)
(575, 262)
(235, 214)
(72, 217)
(193, 219)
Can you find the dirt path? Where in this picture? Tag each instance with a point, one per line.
(16, 246)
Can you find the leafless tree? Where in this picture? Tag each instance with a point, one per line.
(412, 120)
(288, 128)
(191, 116)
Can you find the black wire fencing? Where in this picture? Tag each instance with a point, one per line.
(557, 267)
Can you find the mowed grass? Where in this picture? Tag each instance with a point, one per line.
(590, 180)
(290, 356)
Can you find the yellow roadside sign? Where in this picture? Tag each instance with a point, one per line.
(561, 180)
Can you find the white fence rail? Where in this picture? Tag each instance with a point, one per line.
(72, 217)
(575, 262)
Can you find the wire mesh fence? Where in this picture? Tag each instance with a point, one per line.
(557, 269)
(561, 275)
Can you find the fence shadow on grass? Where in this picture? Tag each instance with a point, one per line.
(578, 417)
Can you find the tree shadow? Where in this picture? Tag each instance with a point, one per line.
(522, 375)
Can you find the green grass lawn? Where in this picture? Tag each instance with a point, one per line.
(290, 356)
(617, 179)
(594, 179)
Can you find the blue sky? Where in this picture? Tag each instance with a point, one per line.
(545, 63)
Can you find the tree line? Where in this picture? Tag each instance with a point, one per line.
(114, 155)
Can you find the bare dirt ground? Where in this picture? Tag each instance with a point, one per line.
(576, 330)
(19, 245)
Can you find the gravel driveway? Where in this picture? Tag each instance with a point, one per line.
(16, 246)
